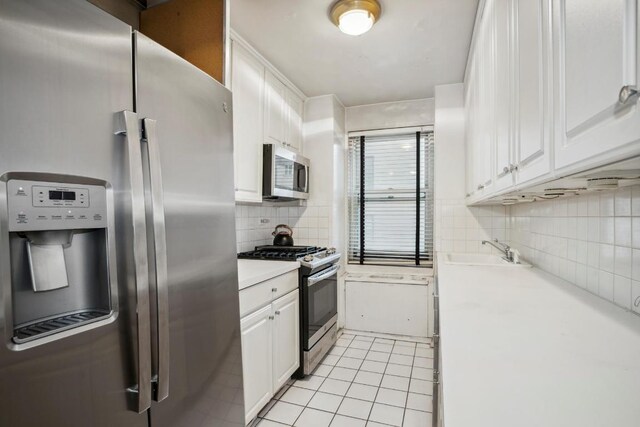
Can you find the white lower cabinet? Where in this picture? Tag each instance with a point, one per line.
(270, 350)
(286, 338)
(257, 361)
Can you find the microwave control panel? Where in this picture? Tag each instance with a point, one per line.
(37, 205)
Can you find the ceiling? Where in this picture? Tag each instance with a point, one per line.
(416, 45)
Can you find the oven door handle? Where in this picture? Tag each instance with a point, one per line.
(323, 275)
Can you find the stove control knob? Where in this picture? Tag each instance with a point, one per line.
(308, 258)
(331, 251)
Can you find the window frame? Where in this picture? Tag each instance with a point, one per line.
(423, 255)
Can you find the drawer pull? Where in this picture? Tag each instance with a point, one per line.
(274, 289)
(278, 313)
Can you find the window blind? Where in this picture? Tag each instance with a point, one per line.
(390, 198)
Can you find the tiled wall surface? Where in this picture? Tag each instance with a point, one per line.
(254, 224)
(459, 228)
(592, 241)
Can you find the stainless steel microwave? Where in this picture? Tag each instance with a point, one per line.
(285, 174)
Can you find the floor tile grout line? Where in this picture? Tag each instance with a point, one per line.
(352, 382)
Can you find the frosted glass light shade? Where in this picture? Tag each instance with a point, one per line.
(356, 22)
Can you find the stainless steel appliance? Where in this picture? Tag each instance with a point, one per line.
(280, 253)
(285, 174)
(118, 285)
(318, 308)
(318, 284)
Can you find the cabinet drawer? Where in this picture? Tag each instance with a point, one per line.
(285, 284)
(256, 296)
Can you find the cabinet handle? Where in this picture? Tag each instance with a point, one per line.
(271, 318)
(274, 289)
(626, 93)
(506, 170)
(278, 312)
(480, 187)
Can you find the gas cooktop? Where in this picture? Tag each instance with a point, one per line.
(280, 253)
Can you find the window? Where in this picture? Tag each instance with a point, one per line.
(390, 197)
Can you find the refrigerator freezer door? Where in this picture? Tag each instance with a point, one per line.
(194, 135)
(65, 71)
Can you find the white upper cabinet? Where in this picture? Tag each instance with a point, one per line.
(532, 143)
(543, 91)
(265, 110)
(276, 111)
(596, 55)
(247, 84)
(283, 114)
(295, 106)
(503, 164)
(480, 133)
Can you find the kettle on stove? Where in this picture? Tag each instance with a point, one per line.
(283, 235)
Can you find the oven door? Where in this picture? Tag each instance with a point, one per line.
(320, 304)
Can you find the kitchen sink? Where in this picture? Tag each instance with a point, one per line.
(480, 259)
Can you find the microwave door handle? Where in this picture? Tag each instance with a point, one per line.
(306, 179)
(161, 377)
(324, 275)
(129, 128)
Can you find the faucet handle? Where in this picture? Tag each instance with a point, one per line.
(515, 256)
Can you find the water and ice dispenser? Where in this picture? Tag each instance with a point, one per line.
(59, 257)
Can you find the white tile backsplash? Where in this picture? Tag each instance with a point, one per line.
(459, 228)
(255, 223)
(590, 240)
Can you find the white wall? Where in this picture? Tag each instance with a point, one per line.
(324, 145)
(458, 228)
(389, 115)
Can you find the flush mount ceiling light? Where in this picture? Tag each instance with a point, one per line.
(355, 17)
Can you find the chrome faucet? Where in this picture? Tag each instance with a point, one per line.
(510, 255)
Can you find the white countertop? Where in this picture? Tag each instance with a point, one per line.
(523, 348)
(251, 271)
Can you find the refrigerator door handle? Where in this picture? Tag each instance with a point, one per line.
(128, 127)
(161, 377)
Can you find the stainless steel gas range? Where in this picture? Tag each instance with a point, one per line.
(318, 282)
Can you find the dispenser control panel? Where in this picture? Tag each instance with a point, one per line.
(37, 205)
(60, 197)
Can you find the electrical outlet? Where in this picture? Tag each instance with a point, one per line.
(265, 220)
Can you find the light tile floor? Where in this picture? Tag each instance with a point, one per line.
(364, 381)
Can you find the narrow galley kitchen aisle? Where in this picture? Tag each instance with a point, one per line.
(364, 381)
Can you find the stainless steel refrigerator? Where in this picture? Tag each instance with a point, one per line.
(118, 277)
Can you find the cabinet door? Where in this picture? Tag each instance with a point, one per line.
(247, 83)
(275, 110)
(596, 54)
(532, 137)
(486, 127)
(503, 80)
(295, 108)
(286, 338)
(257, 361)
